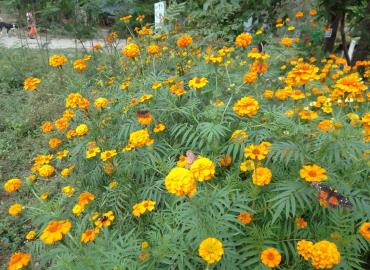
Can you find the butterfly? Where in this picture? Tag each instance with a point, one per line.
(260, 46)
(142, 113)
(329, 197)
(190, 157)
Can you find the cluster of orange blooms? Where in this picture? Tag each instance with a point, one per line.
(301, 85)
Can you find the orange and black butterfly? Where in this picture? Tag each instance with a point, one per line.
(329, 197)
(142, 113)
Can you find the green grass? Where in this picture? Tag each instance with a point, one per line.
(20, 118)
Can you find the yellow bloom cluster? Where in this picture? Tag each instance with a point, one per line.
(31, 83)
(142, 207)
(131, 50)
(139, 139)
(203, 169)
(12, 185)
(246, 106)
(57, 60)
(180, 182)
(323, 254)
(211, 250)
(55, 231)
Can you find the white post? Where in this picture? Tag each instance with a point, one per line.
(351, 48)
(159, 11)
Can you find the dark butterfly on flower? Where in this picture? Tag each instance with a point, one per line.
(331, 198)
(260, 46)
(142, 112)
(190, 157)
(103, 218)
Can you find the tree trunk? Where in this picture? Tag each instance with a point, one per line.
(343, 37)
(363, 47)
(334, 23)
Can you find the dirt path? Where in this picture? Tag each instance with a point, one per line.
(13, 41)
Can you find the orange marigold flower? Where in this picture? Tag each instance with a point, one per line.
(57, 60)
(46, 171)
(301, 74)
(308, 115)
(18, 260)
(31, 83)
(15, 209)
(246, 106)
(301, 222)
(131, 50)
(312, 12)
(243, 40)
(143, 207)
(225, 161)
(47, 127)
(88, 236)
(85, 198)
(79, 65)
(12, 185)
(250, 77)
(211, 250)
(239, 136)
(258, 151)
(245, 218)
(178, 88)
(304, 248)
(159, 128)
(326, 125)
(261, 176)
(270, 257)
(365, 230)
(324, 255)
(55, 231)
(144, 117)
(54, 142)
(184, 41)
(299, 14)
(153, 49)
(313, 173)
(286, 41)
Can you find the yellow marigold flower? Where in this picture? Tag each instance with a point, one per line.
(101, 103)
(62, 154)
(108, 168)
(301, 74)
(125, 18)
(156, 85)
(268, 94)
(82, 129)
(140, 138)
(113, 184)
(111, 37)
(144, 245)
(30, 235)
(105, 220)
(239, 136)
(79, 65)
(44, 196)
(88, 236)
(67, 171)
(55, 231)
(246, 106)
(125, 85)
(54, 142)
(159, 128)
(225, 161)
(243, 40)
(270, 257)
(12, 185)
(142, 207)
(198, 83)
(291, 28)
(131, 50)
(250, 77)
(245, 218)
(203, 169)
(77, 210)
(219, 103)
(297, 94)
(324, 255)
(46, 171)
(47, 127)
(107, 154)
(211, 250)
(313, 173)
(365, 230)
(19, 260)
(286, 41)
(261, 176)
(178, 88)
(68, 191)
(184, 41)
(247, 165)
(15, 209)
(308, 115)
(153, 49)
(326, 126)
(57, 60)
(31, 83)
(85, 198)
(92, 151)
(258, 151)
(284, 93)
(304, 248)
(301, 222)
(180, 182)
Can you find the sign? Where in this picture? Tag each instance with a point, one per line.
(159, 10)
